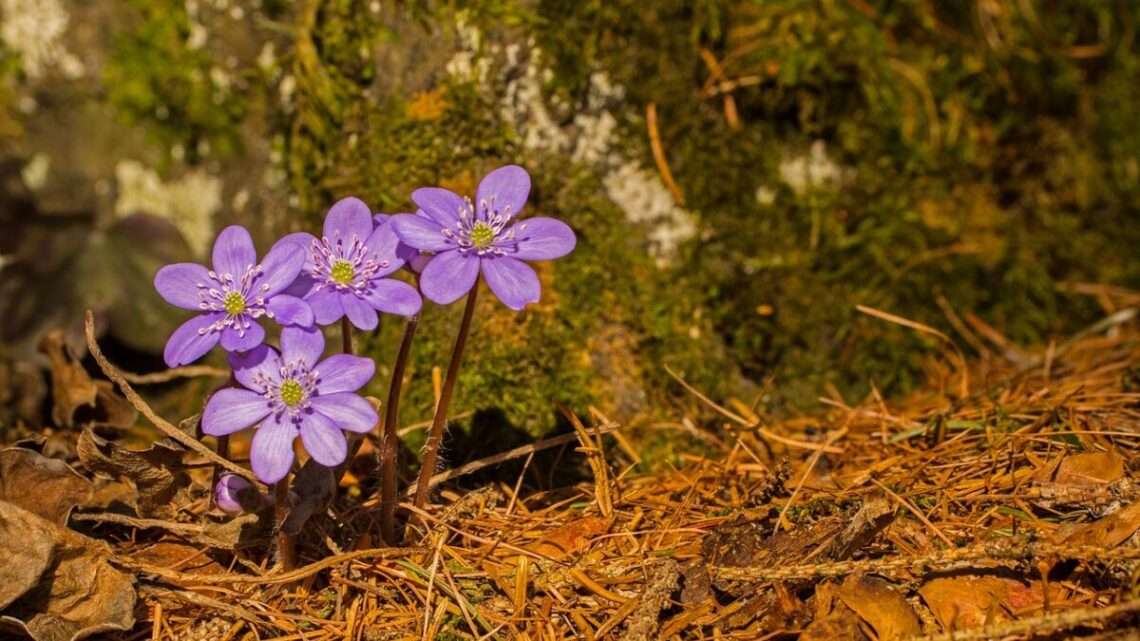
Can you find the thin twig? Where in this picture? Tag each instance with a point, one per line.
(139, 404)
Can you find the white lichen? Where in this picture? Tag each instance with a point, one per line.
(813, 170)
(35, 173)
(188, 202)
(36, 30)
(589, 138)
(467, 62)
(644, 199)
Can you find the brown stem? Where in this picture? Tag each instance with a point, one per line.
(390, 445)
(439, 421)
(286, 553)
(346, 335)
(223, 448)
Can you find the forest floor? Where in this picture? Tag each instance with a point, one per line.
(1000, 502)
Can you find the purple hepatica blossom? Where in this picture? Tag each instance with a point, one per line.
(345, 269)
(232, 296)
(468, 238)
(290, 394)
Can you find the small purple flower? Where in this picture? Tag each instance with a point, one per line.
(289, 393)
(471, 238)
(232, 296)
(345, 269)
(234, 494)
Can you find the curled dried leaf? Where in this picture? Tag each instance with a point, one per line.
(25, 551)
(58, 488)
(78, 593)
(1111, 531)
(78, 400)
(880, 606)
(157, 473)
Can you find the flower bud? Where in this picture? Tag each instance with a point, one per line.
(234, 494)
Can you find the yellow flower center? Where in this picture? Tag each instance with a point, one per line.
(482, 235)
(234, 303)
(342, 272)
(291, 392)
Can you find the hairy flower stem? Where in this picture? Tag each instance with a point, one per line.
(346, 335)
(286, 552)
(390, 442)
(439, 421)
(223, 448)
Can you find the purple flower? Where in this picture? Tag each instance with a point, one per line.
(345, 269)
(232, 296)
(290, 394)
(469, 239)
(234, 494)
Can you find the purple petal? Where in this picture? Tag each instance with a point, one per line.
(349, 411)
(324, 442)
(421, 233)
(251, 367)
(233, 409)
(504, 190)
(393, 297)
(441, 205)
(380, 219)
(344, 373)
(302, 343)
(271, 453)
(383, 243)
(362, 315)
(187, 344)
(178, 284)
(290, 310)
(449, 276)
(543, 238)
(302, 238)
(513, 281)
(233, 251)
(233, 341)
(419, 263)
(326, 305)
(302, 287)
(348, 217)
(280, 267)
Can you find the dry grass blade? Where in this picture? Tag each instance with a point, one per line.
(964, 390)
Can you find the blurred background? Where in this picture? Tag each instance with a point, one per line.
(741, 175)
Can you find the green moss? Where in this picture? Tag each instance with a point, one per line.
(985, 173)
(154, 78)
(981, 172)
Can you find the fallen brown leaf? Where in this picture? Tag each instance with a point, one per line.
(833, 620)
(77, 399)
(157, 472)
(178, 556)
(78, 593)
(966, 602)
(57, 488)
(1111, 531)
(1088, 468)
(570, 538)
(880, 606)
(970, 601)
(25, 551)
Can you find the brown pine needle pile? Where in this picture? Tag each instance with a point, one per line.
(999, 502)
